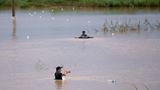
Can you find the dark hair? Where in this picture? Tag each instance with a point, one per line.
(58, 67)
(83, 31)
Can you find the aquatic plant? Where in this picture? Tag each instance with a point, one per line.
(134, 85)
(158, 26)
(96, 31)
(126, 26)
(146, 87)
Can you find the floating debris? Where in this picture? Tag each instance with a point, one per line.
(42, 11)
(67, 20)
(112, 81)
(29, 13)
(88, 21)
(27, 37)
(52, 10)
(62, 9)
(112, 34)
(73, 8)
(47, 68)
(34, 12)
(52, 18)
(40, 17)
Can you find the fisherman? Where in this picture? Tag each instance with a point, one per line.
(83, 36)
(58, 74)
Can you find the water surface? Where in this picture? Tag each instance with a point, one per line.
(126, 58)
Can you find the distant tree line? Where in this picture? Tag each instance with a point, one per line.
(89, 3)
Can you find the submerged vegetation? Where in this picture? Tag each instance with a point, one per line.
(134, 85)
(127, 26)
(90, 3)
(158, 26)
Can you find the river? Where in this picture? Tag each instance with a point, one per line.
(42, 38)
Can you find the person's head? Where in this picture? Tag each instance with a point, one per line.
(58, 69)
(83, 32)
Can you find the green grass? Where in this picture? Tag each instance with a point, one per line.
(90, 3)
(120, 3)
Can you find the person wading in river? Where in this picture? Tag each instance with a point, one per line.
(58, 74)
(83, 36)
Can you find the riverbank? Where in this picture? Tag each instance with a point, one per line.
(88, 3)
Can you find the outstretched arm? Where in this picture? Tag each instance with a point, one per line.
(76, 37)
(91, 37)
(65, 73)
(82, 37)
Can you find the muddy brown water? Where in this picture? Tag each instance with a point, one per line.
(126, 58)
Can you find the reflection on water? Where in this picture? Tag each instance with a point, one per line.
(14, 30)
(58, 84)
(61, 84)
(14, 47)
(83, 44)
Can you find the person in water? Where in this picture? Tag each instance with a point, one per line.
(84, 35)
(58, 74)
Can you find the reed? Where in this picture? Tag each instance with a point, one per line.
(134, 85)
(158, 26)
(146, 87)
(127, 26)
